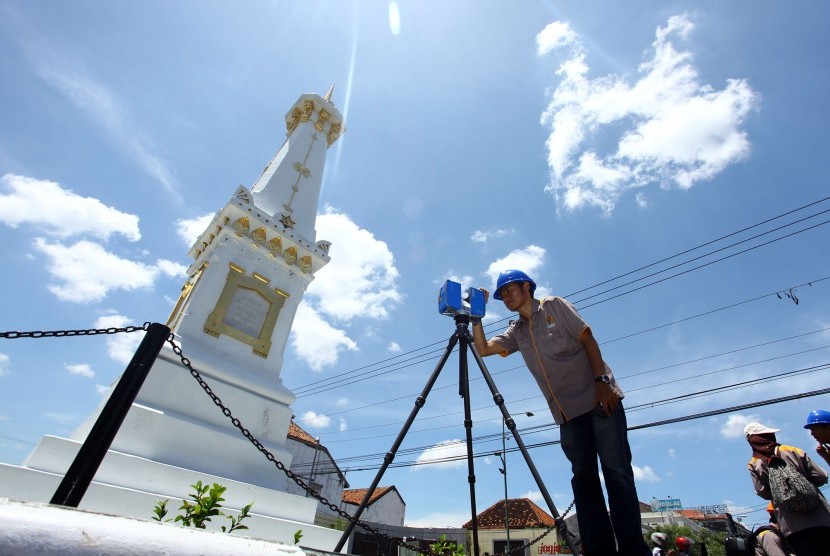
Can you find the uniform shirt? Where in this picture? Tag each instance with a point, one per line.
(549, 343)
(792, 522)
(769, 543)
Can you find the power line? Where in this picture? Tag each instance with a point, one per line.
(302, 390)
(426, 357)
(635, 408)
(664, 422)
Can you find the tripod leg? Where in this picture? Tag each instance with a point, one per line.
(464, 390)
(390, 455)
(561, 528)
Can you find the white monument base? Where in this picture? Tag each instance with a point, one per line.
(56, 531)
(275, 515)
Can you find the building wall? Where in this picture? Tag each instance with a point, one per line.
(491, 541)
(321, 473)
(654, 519)
(388, 509)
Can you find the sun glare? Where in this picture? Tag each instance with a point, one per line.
(394, 18)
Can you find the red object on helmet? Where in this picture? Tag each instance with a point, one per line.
(683, 543)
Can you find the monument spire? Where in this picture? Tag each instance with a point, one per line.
(289, 187)
(250, 269)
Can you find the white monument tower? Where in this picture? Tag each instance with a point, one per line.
(251, 267)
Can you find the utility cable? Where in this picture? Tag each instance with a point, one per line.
(416, 350)
(646, 405)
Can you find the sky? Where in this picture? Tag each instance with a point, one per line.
(659, 164)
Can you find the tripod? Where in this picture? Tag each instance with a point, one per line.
(462, 335)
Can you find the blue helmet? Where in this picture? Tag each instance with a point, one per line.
(818, 417)
(509, 277)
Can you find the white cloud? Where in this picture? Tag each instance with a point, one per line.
(87, 272)
(315, 341)
(482, 236)
(341, 402)
(343, 426)
(440, 519)
(645, 474)
(534, 496)
(734, 425)
(672, 453)
(81, 369)
(190, 230)
(666, 128)
(360, 280)
(101, 390)
(109, 111)
(315, 421)
(60, 212)
(358, 283)
(4, 364)
(171, 269)
(122, 346)
(528, 260)
(554, 35)
(437, 455)
(394, 347)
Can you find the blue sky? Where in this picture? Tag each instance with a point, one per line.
(578, 141)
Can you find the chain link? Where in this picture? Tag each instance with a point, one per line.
(270, 457)
(14, 335)
(522, 546)
(71, 333)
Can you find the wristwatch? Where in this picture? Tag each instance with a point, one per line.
(603, 378)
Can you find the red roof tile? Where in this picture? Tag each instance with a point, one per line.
(355, 495)
(522, 513)
(295, 432)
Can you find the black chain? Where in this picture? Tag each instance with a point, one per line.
(13, 335)
(72, 333)
(522, 546)
(270, 457)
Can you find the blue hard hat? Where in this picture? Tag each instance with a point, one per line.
(509, 277)
(818, 417)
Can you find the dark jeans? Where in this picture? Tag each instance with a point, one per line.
(814, 541)
(583, 439)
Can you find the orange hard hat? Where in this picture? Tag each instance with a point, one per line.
(770, 508)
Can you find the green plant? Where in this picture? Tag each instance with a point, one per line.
(205, 503)
(446, 547)
(338, 524)
(714, 540)
(298, 534)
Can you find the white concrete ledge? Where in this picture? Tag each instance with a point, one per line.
(45, 530)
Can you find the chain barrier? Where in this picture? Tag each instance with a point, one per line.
(521, 547)
(270, 457)
(13, 335)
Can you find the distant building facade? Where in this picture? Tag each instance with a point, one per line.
(312, 462)
(526, 521)
(386, 506)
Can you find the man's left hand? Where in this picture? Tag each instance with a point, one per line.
(605, 395)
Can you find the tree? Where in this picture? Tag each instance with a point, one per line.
(714, 540)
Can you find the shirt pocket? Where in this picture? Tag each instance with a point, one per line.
(555, 340)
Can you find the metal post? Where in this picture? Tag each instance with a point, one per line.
(92, 452)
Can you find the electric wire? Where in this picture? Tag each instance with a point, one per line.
(646, 405)
(540, 398)
(416, 350)
(701, 415)
(348, 381)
